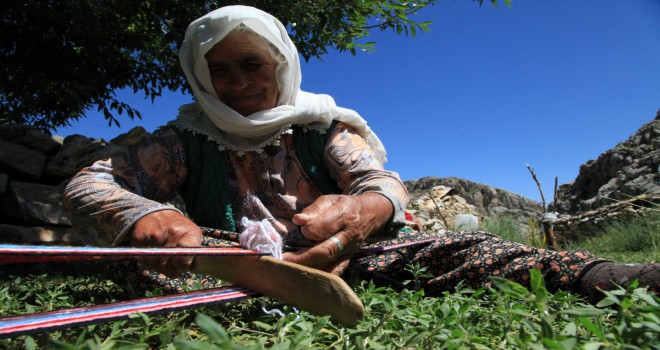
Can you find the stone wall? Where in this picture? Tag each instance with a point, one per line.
(33, 168)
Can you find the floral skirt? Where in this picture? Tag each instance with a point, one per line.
(447, 258)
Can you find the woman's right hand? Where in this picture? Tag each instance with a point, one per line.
(167, 229)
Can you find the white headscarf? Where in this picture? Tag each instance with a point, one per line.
(210, 116)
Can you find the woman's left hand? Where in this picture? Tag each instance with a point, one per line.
(350, 219)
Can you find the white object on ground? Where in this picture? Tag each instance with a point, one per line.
(466, 222)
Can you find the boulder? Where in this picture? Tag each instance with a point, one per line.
(35, 204)
(29, 137)
(76, 153)
(20, 160)
(437, 208)
(133, 136)
(16, 234)
(4, 180)
(488, 200)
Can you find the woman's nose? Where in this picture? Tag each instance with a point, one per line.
(239, 78)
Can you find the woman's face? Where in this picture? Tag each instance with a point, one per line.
(243, 73)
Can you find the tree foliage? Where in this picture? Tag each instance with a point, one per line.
(60, 58)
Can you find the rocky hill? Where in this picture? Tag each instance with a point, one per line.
(622, 182)
(444, 198)
(630, 169)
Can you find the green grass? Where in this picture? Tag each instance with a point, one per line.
(506, 316)
(632, 240)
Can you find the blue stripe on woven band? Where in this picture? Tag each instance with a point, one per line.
(39, 322)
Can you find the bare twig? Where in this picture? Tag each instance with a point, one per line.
(632, 199)
(538, 184)
(554, 196)
(438, 208)
(548, 225)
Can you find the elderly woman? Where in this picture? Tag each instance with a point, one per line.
(255, 146)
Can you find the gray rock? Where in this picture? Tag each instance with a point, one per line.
(39, 235)
(35, 204)
(131, 137)
(488, 200)
(20, 160)
(29, 137)
(78, 152)
(4, 179)
(630, 169)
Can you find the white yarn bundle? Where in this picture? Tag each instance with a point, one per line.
(261, 236)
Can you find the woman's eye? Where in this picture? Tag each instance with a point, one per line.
(251, 66)
(219, 70)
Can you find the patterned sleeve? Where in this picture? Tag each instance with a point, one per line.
(353, 165)
(107, 198)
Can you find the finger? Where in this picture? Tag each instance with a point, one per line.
(313, 210)
(333, 220)
(301, 219)
(323, 254)
(149, 263)
(160, 265)
(170, 267)
(318, 209)
(182, 264)
(191, 237)
(339, 266)
(186, 237)
(318, 257)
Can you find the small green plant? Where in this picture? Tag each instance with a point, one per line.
(535, 237)
(418, 272)
(506, 315)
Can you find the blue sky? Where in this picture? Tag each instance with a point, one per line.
(488, 90)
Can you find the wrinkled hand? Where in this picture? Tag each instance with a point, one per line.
(348, 218)
(168, 229)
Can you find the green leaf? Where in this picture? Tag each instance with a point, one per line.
(568, 343)
(570, 329)
(591, 327)
(216, 332)
(415, 339)
(584, 311)
(593, 346)
(536, 280)
(551, 344)
(29, 343)
(511, 288)
(263, 325)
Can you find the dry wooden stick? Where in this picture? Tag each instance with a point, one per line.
(554, 197)
(548, 226)
(538, 184)
(438, 208)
